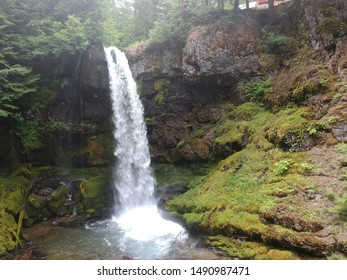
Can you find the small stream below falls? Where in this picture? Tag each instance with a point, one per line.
(106, 240)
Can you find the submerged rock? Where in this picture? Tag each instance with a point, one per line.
(70, 221)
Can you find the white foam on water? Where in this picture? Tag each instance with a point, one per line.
(145, 223)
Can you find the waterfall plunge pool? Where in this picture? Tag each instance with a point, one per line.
(151, 238)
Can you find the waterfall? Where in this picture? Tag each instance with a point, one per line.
(139, 217)
(133, 176)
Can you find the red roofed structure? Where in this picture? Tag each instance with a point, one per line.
(264, 4)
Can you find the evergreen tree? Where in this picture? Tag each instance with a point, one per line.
(16, 80)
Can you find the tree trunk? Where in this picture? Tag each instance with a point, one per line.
(206, 3)
(221, 4)
(271, 3)
(247, 4)
(236, 7)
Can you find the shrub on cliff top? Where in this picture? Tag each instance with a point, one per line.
(333, 25)
(278, 44)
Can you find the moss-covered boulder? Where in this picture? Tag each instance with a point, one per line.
(57, 201)
(37, 201)
(14, 202)
(95, 187)
(36, 209)
(8, 227)
(98, 196)
(243, 249)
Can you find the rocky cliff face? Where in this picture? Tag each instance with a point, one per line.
(225, 53)
(78, 126)
(183, 89)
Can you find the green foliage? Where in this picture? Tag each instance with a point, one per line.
(235, 198)
(95, 187)
(306, 89)
(170, 174)
(244, 122)
(55, 38)
(333, 25)
(330, 194)
(180, 144)
(28, 133)
(160, 98)
(174, 23)
(256, 91)
(170, 29)
(12, 189)
(249, 250)
(8, 227)
(341, 148)
(313, 127)
(161, 85)
(16, 81)
(86, 127)
(282, 167)
(150, 121)
(291, 127)
(53, 126)
(341, 207)
(278, 44)
(306, 168)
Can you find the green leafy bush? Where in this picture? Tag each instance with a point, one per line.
(314, 127)
(282, 167)
(256, 91)
(341, 207)
(278, 44)
(333, 25)
(29, 135)
(305, 168)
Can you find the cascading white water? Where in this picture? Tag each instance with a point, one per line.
(133, 177)
(139, 217)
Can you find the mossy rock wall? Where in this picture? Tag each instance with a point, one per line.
(50, 192)
(8, 228)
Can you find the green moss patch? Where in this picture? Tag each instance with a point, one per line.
(249, 250)
(161, 88)
(261, 191)
(56, 202)
(8, 227)
(95, 187)
(100, 150)
(244, 125)
(170, 174)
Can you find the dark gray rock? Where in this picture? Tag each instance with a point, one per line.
(220, 51)
(340, 132)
